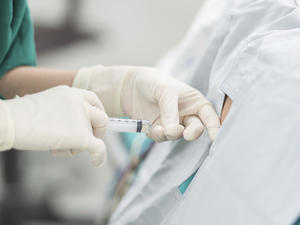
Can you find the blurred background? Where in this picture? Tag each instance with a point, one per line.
(36, 188)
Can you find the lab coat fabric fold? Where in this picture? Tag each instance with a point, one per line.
(250, 174)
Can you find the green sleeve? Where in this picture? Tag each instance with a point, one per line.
(17, 36)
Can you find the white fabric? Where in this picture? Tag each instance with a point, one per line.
(6, 128)
(250, 174)
(62, 119)
(173, 108)
(254, 178)
(155, 190)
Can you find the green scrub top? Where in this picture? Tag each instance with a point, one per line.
(16, 35)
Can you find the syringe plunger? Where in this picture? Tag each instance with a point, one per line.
(129, 125)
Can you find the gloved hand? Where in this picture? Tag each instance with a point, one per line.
(66, 120)
(173, 108)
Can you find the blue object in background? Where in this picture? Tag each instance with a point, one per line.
(128, 139)
(297, 222)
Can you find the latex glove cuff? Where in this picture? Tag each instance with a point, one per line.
(106, 82)
(7, 128)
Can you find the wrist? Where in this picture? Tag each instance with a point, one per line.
(106, 82)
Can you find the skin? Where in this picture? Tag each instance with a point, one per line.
(28, 80)
(226, 108)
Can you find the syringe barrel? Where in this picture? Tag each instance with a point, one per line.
(128, 125)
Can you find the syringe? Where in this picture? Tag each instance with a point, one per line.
(128, 125)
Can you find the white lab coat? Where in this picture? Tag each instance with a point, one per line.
(250, 175)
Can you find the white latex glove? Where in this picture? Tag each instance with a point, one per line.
(173, 108)
(65, 120)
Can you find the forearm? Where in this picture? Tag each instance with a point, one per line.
(27, 80)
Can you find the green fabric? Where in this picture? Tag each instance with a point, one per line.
(297, 222)
(16, 35)
(186, 183)
(128, 139)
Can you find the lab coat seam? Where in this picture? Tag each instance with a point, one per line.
(227, 14)
(200, 170)
(178, 195)
(228, 90)
(240, 76)
(243, 51)
(268, 27)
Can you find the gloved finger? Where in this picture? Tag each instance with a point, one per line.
(91, 98)
(174, 131)
(157, 133)
(210, 119)
(193, 128)
(99, 121)
(168, 103)
(96, 148)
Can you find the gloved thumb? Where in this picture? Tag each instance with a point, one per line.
(168, 103)
(97, 150)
